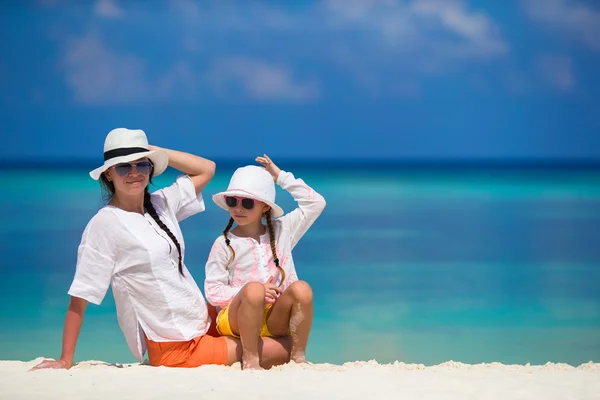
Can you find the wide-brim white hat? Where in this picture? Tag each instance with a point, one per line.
(252, 182)
(125, 145)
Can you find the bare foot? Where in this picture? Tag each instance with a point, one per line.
(252, 366)
(299, 358)
(251, 362)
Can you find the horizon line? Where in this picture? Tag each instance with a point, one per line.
(317, 162)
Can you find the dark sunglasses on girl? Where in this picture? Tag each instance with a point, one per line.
(143, 167)
(232, 201)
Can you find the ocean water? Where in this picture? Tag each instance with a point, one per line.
(423, 266)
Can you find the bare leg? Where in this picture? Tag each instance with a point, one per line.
(245, 318)
(272, 351)
(293, 310)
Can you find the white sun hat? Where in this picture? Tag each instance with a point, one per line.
(252, 182)
(124, 145)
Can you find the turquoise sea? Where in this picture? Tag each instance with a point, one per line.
(421, 265)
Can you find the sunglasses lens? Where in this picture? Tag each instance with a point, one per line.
(248, 204)
(231, 201)
(144, 167)
(123, 169)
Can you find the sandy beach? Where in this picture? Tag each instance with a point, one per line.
(354, 380)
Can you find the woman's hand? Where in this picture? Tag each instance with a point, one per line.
(73, 323)
(269, 166)
(200, 170)
(64, 364)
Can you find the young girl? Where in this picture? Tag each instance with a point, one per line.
(250, 271)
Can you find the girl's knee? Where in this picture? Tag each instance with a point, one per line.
(301, 291)
(254, 293)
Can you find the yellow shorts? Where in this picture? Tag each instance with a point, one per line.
(225, 329)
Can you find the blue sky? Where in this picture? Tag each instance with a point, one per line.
(353, 79)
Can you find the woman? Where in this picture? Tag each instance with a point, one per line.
(135, 244)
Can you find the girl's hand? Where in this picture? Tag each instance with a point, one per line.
(64, 364)
(272, 292)
(269, 166)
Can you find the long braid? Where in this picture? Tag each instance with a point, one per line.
(273, 250)
(227, 241)
(152, 211)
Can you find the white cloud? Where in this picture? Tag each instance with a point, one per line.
(97, 75)
(356, 9)
(447, 27)
(384, 47)
(365, 40)
(557, 71)
(259, 80)
(390, 28)
(408, 41)
(580, 20)
(479, 34)
(108, 9)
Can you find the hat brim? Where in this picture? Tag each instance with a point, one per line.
(159, 158)
(219, 200)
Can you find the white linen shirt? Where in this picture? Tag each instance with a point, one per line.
(133, 254)
(254, 260)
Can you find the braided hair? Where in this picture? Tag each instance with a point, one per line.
(108, 189)
(272, 241)
(227, 241)
(152, 211)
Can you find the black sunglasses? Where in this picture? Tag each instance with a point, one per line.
(232, 201)
(143, 167)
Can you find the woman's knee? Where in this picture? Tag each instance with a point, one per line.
(301, 292)
(254, 293)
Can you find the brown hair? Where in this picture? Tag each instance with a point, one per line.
(271, 240)
(227, 241)
(108, 189)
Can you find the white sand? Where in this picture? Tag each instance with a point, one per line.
(356, 380)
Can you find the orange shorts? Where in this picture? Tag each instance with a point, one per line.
(193, 353)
